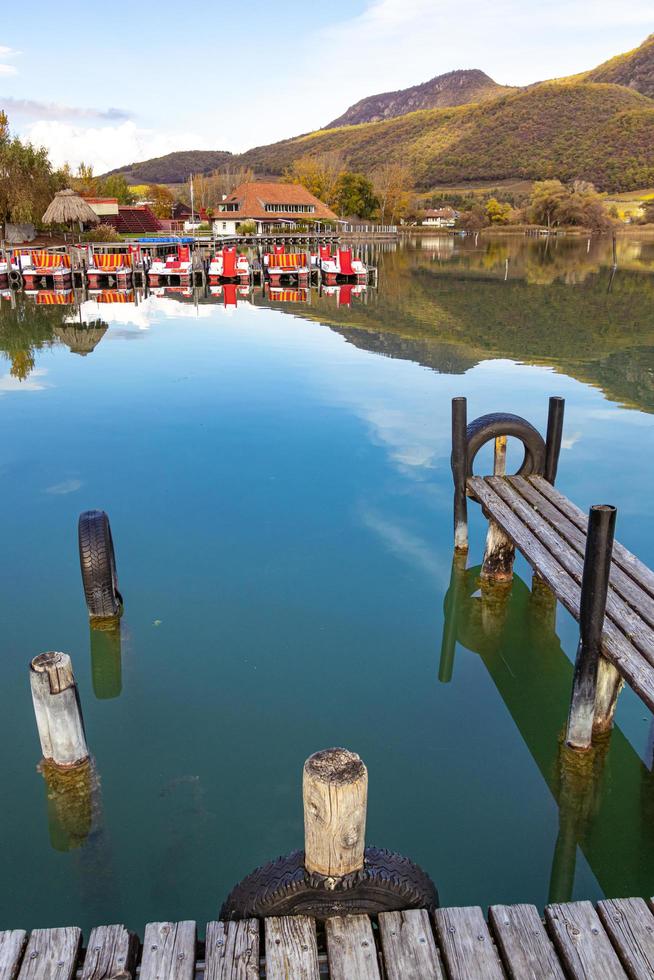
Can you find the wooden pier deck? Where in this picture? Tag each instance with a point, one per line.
(614, 941)
(550, 531)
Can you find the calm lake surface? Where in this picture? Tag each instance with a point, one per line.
(277, 478)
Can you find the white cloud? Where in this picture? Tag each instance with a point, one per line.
(6, 52)
(34, 109)
(9, 383)
(107, 147)
(7, 70)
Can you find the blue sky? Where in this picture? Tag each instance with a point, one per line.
(143, 79)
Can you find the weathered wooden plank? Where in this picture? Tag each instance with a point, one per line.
(12, 944)
(620, 582)
(232, 950)
(168, 951)
(51, 954)
(630, 925)
(466, 944)
(291, 948)
(111, 951)
(527, 950)
(351, 948)
(408, 944)
(622, 615)
(582, 943)
(627, 561)
(617, 649)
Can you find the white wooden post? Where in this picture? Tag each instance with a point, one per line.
(57, 709)
(335, 793)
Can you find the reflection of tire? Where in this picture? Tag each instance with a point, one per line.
(488, 427)
(98, 564)
(15, 279)
(387, 882)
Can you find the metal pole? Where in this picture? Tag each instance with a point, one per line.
(594, 588)
(460, 471)
(553, 440)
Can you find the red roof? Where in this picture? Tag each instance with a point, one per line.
(100, 200)
(253, 196)
(133, 219)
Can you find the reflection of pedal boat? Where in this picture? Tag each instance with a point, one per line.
(230, 293)
(229, 266)
(9, 273)
(341, 267)
(344, 292)
(112, 295)
(51, 297)
(282, 294)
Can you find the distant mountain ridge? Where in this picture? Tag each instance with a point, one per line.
(454, 88)
(597, 125)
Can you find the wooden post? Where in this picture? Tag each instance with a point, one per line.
(335, 793)
(460, 472)
(57, 709)
(500, 550)
(594, 588)
(553, 439)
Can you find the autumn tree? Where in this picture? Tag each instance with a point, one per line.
(161, 199)
(27, 180)
(498, 212)
(319, 174)
(553, 203)
(392, 184)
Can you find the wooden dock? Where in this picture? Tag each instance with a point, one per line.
(576, 941)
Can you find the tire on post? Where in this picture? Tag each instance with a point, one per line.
(489, 427)
(387, 882)
(15, 279)
(98, 566)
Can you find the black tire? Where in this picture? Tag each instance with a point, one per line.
(98, 565)
(488, 427)
(387, 882)
(15, 279)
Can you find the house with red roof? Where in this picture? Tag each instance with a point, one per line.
(271, 205)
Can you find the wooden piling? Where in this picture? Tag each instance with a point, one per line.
(335, 794)
(554, 435)
(594, 588)
(57, 710)
(500, 550)
(460, 472)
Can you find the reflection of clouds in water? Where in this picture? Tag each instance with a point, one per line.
(406, 544)
(8, 383)
(142, 316)
(67, 486)
(571, 441)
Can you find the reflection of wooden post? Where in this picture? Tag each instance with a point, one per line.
(106, 658)
(452, 609)
(335, 792)
(57, 709)
(500, 551)
(70, 810)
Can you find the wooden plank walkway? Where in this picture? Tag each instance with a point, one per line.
(550, 532)
(575, 941)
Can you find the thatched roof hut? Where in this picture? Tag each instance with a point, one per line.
(81, 339)
(66, 207)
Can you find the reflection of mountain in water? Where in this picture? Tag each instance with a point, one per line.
(552, 310)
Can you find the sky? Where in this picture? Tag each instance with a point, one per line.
(114, 88)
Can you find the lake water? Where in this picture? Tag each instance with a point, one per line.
(277, 478)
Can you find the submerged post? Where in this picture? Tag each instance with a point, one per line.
(335, 795)
(460, 471)
(553, 439)
(594, 588)
(499, 553)
(57, 709)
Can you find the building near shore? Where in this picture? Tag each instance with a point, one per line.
(272, 206)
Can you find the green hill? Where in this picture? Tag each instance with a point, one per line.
(635, 69)
(173, 168)
(603, 133)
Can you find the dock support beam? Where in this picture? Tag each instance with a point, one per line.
(500, 550)
(335, 795)
(460, 471)
(594, 588)
(553, 439)
(57, 709)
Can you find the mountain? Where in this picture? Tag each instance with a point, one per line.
(598, 126)
(635, 69)
(173, 168)
(454, 88)
(602, 133)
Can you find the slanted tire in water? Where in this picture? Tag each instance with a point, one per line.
(98, 564)
(386, 883)
(488, 427)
